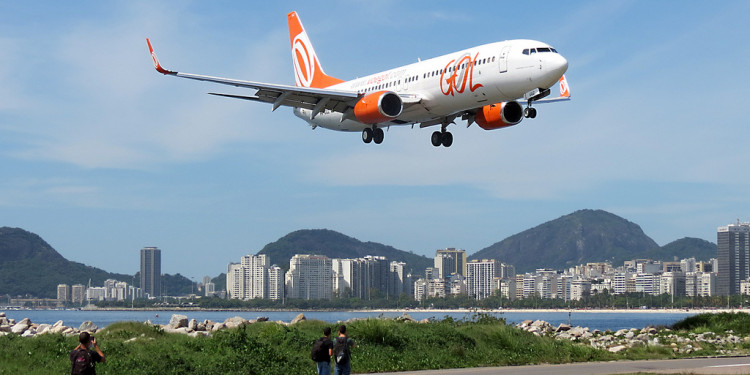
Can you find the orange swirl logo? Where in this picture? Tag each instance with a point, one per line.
(458, 79)
(304, 61)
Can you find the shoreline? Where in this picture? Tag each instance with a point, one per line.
(490, 311)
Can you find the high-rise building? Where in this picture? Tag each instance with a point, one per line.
(63, 292)
(398, 282)
(151, 271)
(733, 257)
(275, 283)
(450, 261)
(706, 284)
(673, 283)
(379, 270)
(480, 275)
(249, 278)
(78, 293)
(309, 277)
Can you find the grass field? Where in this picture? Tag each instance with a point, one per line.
(270, 348)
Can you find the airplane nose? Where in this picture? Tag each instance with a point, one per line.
(558, 65)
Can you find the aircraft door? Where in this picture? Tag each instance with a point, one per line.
(503, 59)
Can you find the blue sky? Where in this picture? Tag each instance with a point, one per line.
(100, 155)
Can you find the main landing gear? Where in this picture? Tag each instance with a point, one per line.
(443, 138)
(375, 134)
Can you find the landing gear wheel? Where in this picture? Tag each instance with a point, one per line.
(529, 112)
(437, 139)
(367, 135)
(447, 139)
(378, 135)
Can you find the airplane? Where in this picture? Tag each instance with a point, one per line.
(482, 85)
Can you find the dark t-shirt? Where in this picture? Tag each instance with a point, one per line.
(95, 357)
(349, 343)
(327, 344)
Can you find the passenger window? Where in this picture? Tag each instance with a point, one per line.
(493, 58)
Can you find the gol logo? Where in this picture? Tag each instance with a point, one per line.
(304, 60)
(457, 82)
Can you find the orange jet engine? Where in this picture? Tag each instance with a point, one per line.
(378, 107)
(500, 115)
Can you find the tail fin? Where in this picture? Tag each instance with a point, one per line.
(307, 69)
(564, 88)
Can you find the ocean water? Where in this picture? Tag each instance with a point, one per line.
(609, 320)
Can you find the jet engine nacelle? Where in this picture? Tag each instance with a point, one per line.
(500, 115)
(381, 106)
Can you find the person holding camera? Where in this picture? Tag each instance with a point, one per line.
(85, 356)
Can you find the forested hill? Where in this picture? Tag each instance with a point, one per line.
(30, 266)
(336, 245)
(580, 237)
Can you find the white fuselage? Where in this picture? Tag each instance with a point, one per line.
(456, 82)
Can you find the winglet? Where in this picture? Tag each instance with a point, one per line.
(564, 88)
(156, 60)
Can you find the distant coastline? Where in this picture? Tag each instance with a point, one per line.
(465, 310)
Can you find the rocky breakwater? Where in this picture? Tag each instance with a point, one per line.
(191, 327)
(26, 328)
(679, 342)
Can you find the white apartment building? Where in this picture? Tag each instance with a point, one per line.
(249, 278)
(480, 275)
(309, 277)
(78, 293)
(579, 289)
(275, 283)
(648, 283)
(706, 284)
(63, 292)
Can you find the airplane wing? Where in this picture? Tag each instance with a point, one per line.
(278, 95)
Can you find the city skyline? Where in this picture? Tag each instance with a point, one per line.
(103, 156)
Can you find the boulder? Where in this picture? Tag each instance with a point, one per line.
(526, 323)
(88, 326)
(19, 328)
(617, 348)
(298, 319)
(621, 332)
(262, 319)
(178, 321)
(28, 333)
(3, 321)
(563, 327)
(5, 328)
(425, 320)
(200, 327)
(192, 325)
(576, 332)
(43, 328)
(217, 326)
(2, 314)
(235, 320)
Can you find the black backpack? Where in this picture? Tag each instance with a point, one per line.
(83, 364)
(341, 350)
(319, 353)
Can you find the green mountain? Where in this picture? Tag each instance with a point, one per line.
(684, 248)
(580, 237)
(336, 245)
(30, 266)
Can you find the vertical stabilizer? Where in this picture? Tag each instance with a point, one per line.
(307, 69)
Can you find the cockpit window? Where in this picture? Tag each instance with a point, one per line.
(543, 49)
(526, 51)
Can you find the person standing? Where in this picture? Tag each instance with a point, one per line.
(321, 352)
(342, 352)
(83, 359)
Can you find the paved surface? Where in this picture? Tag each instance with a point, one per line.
(734, 365)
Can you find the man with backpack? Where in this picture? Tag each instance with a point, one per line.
(321, 352)
(83, 358)
(342, 352)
